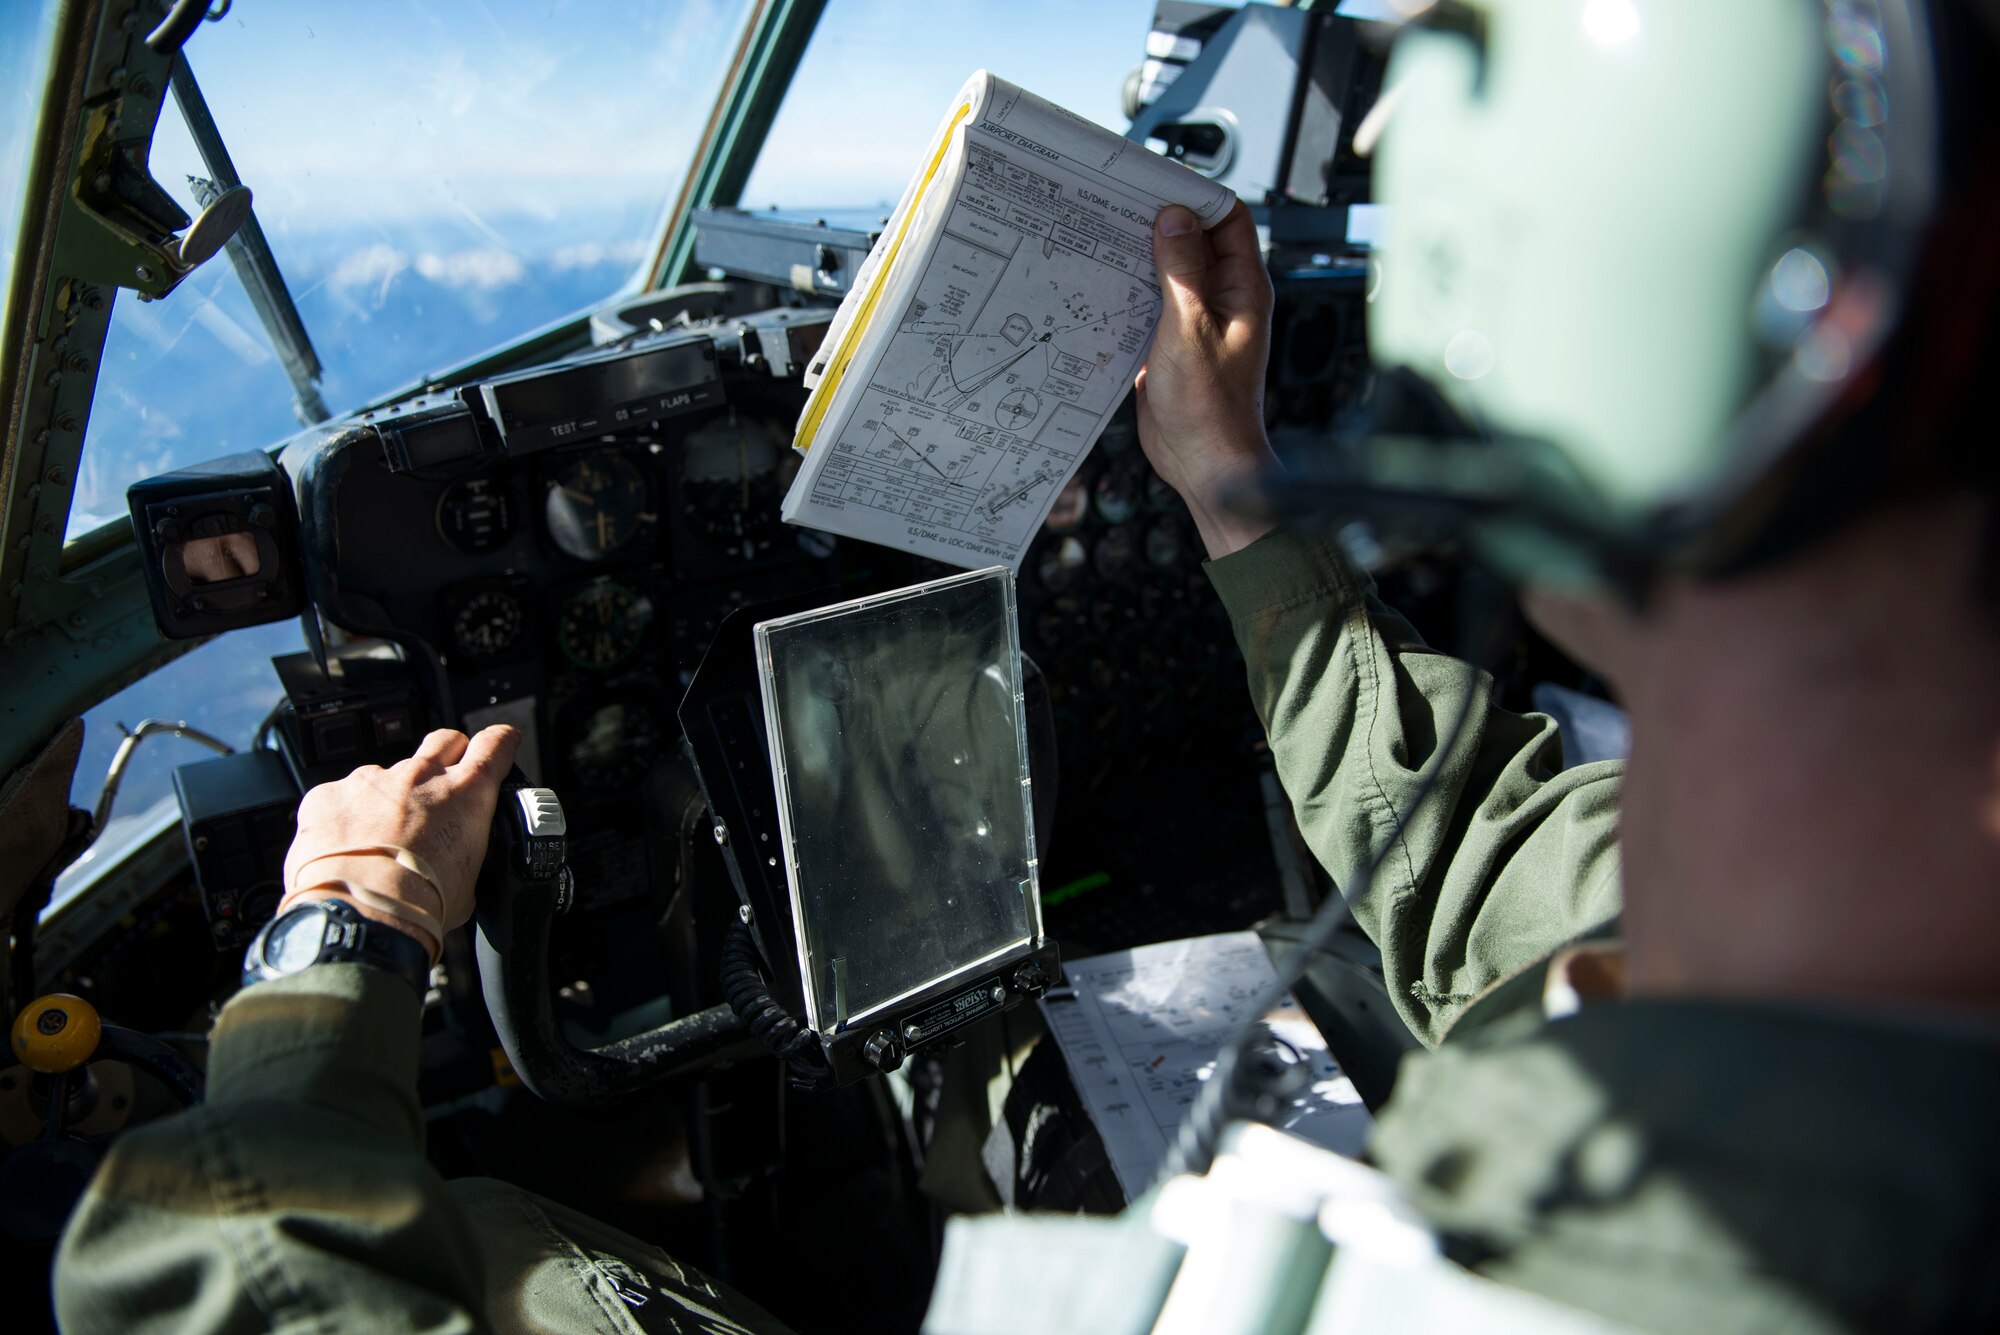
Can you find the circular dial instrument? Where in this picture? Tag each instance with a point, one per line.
(1071, 508)
(613, 745)
(476, 515)
(1063, 563)
(488, 624)
(1120, 490)
(596, 503)
(600, 626)
(734, 471)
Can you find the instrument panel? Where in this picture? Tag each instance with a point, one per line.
(556, 549)
(1114, 604)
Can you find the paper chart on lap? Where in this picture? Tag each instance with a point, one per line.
(1140, 1029)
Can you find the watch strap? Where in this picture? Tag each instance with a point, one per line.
(346, 937)
(398, 952)
(367, 898)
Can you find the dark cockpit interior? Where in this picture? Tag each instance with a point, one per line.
(560, 539)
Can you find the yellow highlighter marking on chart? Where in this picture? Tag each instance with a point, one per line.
(823, 391)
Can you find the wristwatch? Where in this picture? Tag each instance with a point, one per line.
(330, 931)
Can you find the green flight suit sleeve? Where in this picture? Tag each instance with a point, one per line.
(1509, 858)
(297, 1197)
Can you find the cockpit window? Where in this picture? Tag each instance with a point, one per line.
(877, 78)
(25, 32)
(437, 178)
(225, 688)
(434, 178)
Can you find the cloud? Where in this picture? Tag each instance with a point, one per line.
(590, 254)
(374, 266)
(483, 269)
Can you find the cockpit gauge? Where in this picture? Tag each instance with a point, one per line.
(613, 745)
(1160, 496)
(1062, 564)
(488, 624)
(596, 503)
(1071, 508)
(1164, 544)
(734, 471)
(476, 515)
(1120, 491)
(601, 625)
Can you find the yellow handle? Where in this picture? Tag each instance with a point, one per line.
(56, 1033)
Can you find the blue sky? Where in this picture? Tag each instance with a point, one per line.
(881, 73)
(346, 110)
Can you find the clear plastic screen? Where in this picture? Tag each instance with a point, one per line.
(899, 746)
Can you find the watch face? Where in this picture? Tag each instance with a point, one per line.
(295, 940)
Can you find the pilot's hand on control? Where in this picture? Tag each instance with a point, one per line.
(1201, 392)
(438, 805)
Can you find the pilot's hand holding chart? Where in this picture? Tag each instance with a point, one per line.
(993, 330)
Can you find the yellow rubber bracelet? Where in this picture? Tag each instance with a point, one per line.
(397, 854)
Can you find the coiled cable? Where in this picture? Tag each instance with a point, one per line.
(763, 1014)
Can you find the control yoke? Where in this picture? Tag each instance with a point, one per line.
(524, 884)
(874, 758)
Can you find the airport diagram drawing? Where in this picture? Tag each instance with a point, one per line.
(1029, 314)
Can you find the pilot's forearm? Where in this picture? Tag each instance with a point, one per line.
(297, 1194)
(1507, 860)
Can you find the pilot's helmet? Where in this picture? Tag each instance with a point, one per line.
(1659, 259)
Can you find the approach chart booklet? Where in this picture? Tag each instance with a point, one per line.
(991, 332)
